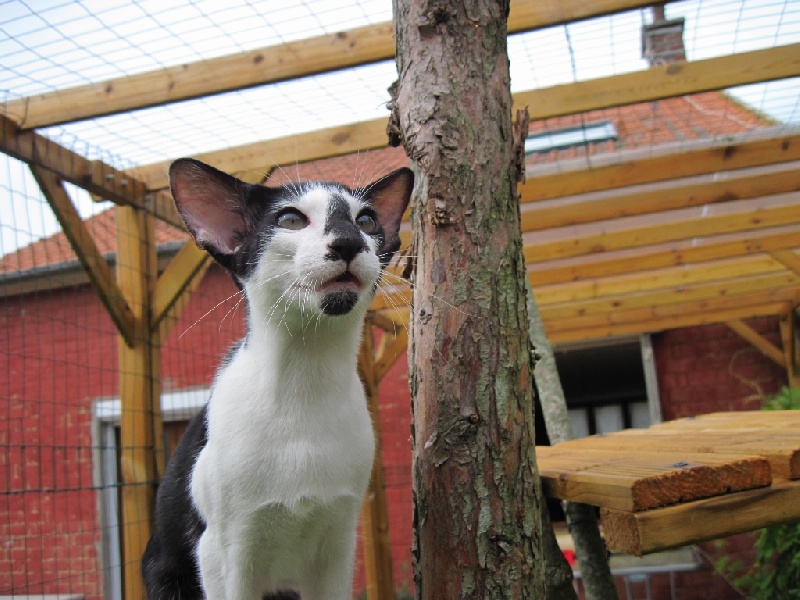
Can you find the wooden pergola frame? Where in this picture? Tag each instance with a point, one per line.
(674, 271)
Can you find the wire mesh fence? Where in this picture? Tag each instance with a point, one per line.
(65, 469)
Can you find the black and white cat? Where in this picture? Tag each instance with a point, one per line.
(261, 498)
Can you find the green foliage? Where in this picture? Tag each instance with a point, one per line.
(776, 571)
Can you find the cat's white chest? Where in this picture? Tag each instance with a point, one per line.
(269, 444)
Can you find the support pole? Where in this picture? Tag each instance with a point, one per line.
(139, 384)
(374, 511)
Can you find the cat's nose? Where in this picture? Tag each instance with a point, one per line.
(346, 248)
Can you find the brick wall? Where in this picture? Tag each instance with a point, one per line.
(61, 357)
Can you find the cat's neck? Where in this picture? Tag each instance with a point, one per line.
(295, 338)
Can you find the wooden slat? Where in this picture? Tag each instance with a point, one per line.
(334, 141)
(732, 421)
(646, 235)
(781, 450)
(93, 176)
(660, 257)
(762, 344)
(692, 315)
(689, 293)
(789, 342)
(188, 263)
(391, 348)
(82, 243)
(662, 163)
(649, 201)
(712, 518)
(645, 479)
(267, 65)
(788, 259)
(652, 84)
(662, 81)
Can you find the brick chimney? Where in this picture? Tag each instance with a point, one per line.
(662, 41)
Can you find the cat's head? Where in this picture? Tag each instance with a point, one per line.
(319, 247)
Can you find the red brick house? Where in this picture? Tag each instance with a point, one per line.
(58, 436)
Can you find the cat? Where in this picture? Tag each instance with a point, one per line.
(262, 495)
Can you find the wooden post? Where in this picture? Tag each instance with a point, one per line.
(139, 385)
(789, 339)
(374, 512)
(476, 504)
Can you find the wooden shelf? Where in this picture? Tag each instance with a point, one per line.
(685, 481)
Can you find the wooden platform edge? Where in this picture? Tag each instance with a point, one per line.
(711, 518)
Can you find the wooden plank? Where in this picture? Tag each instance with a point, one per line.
(334, 141)
(688, 158)
(655, 233)
(644, 479)
(660, 257)
(93, 176)
(662, 81)
(139, 387)
(266, 65)
(391, 348)
(732, 421)
(652, 84)
(788, 259)
(82, 243)
(688, 293)
(374, 512)
(689, 316)
(188, 263)
(681, 195)
(762, 344)
(711, 518)
(781, 450)
(578, 293)
(789, 343)
(657, 280)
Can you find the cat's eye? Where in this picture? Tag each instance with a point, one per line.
(367, 223)
(292, 219)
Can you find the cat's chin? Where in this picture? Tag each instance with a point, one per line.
(337, 303)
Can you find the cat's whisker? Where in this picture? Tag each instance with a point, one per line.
(212, 309)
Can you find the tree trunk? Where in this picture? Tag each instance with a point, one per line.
(476, 511)
(590, 549)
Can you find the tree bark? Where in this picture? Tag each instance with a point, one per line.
(590, 549)
(476, 508)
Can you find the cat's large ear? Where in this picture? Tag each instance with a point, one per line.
(389, 196)
(211, 203)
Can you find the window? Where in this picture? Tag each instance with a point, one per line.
(559, 139)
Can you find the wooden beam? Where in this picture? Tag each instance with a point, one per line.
(644, 479)
(334, 141)
(662, 81)
(266, 65)
(141, 458)
(671, 160)
(392, 347)
(674, 295)
(672, 317)
(188, 263)
(82, 243)
(374, 511)
(661, 232)
(643, 86)
(712, 518)
(661, 257)
(95, 176)
(762, 344)
(674, 197)
(789, 342)
(788, 259)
